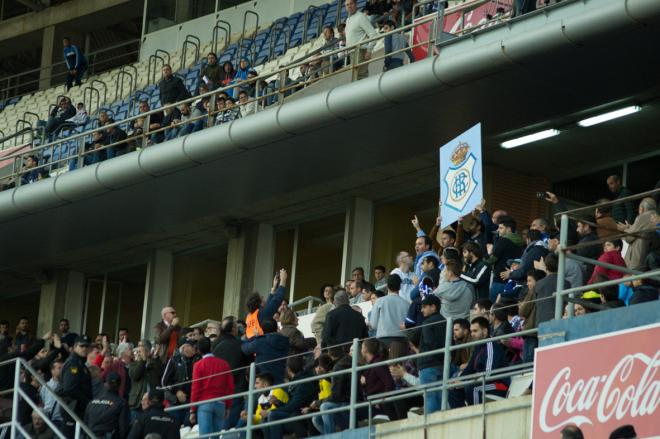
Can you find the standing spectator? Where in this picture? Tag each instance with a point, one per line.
(343, 323)
(423, 248)
(430, 277)
(380, 280)
(476, 271)
(67, 337)
(625, 211)
(212, 379)
(328, 296)
(51, 407)
(528, 314)
(144, 373)
(211, 72)
(359, 28)
(522, 7)
(606, 224)
(76, 383)
(300, 395)
(258, 311)
(474, 232)
(545, 288)
(5, 339)
(508, 246)
(432, 338)
(640, 235)
(75, 61)
(289, 322)
(177, 376)
(484, 359)
(22, 337)
(228, 348)
(107, 415)
(535, 250)
(456, 295)
(270, 350)
(172, 88)
(167, 333)
(611, 255)
(588, 235)
(155, 420)
(389, 312)
(395, 43)
(573, 270)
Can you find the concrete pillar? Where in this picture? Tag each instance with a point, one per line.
(62, 296)
(264, 267)
(47, 46)
(358, 237)
(75, 300)
(157, 291)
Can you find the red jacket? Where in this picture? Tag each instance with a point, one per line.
(218, 384)
(611, 257)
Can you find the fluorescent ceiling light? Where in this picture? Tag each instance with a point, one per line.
(529, 138)
(609, 116)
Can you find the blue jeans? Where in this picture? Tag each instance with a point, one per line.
(433, 401)
(210, 417)
(234, 415)
(325, 423)
(529, 344)
(495, 289)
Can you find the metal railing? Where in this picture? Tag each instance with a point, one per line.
(225, 27)
(19, 394)
(308, 301)
(278, 90)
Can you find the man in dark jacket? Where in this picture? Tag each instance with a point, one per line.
(476, 271)
(115, 136)
(343, 323)
(58, 115)
(588, 235)
(155, 420)
(509, 245)
(432, 338)
(177, 376)
(228, 348)
(621, 212)
(340, 395)
(534, 251)
(172, 88)
(300, 395)
(545, 288)
(211, 73)
(76, 383)
(7, 372)
(75, 62)
(107, 416)
(145, 373)
(267, 348)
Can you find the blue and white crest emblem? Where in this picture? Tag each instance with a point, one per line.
(459, 179)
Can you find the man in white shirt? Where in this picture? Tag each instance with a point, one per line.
(404, 271)
(359, 28)
(51, 408)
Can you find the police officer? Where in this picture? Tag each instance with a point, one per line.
(155, 420)
(107, 416)
(76, 384)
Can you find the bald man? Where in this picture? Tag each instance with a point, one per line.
(166, 333)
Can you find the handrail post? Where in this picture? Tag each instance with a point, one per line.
(446, 361)
(14, 412)
(354, 62)
(309, 306)
(561, 270)
(250, 404)
(354, 384)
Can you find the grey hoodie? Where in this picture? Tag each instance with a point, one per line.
(456, 298)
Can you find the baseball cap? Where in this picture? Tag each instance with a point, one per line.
(431, 299)
(510, 262)
(156, 395)
(113, 378)
(183, 340)
(82, 340)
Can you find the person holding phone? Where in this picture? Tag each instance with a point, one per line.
(259, 310)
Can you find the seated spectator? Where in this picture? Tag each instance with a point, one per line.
(58, 117)
(267, 348)
(246, 107)
(171, 119)
(380, 279)
(187, 125)
(227, 74)
(107, 415)
(29, 173)
(481, 308)
(81, 117)
(340, 395)
(242, 71)
(432, 338)
(389, 313)
(172, 89)
(115, 136)
(259, 310)
(212, 379)
(606, 224)
(377, 379)
(484, 359)
(640, 233)
(300, 396)
(476, 272)
(609, 297)
(38, 429)
(155, 123)
(266, 402)
(211, 72)
(155, 420)
(343, 324)
(512, 288)
(395, 43)
(455, 294)
(460, 357)
(499, 325)
(588, 235)
(322, 365)
(611, 255)
(103, 118)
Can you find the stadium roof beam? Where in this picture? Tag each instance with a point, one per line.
(35, 5)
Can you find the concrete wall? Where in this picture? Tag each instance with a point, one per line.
(171, 38)
(509, 418)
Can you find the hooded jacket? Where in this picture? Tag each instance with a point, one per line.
(507, 246)
(534, 251)
(456, 298)
(268, 347)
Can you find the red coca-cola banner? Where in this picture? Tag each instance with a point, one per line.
(599, 384)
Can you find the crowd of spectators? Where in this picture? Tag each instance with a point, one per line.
(121, 388)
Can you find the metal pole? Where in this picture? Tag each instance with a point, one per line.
(144, 24)
(449, 330)
(250, 404)
(310, 302)
(561, 272)
(354, 384)
(14, 412)
(77, 434)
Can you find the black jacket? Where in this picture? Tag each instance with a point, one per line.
(341, 384)
(478, 275)
(229, 349)
(534, 251)
(76, 383)
(300, 394)
(7, 372)
(155, 420)
(433, 337)
(24, 408)
(342, 325)
(177, 370)
(267, 348)
(172, 90)
(506, 247)
(108, 414)
(592, 252)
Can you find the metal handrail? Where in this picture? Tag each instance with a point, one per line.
(309, 300)
(593, 207)
(196, 43)
(283, 28)
(252, 50)
(119, 83)
(105, 92)
(310, 13)
(221, 25)
(90, 91)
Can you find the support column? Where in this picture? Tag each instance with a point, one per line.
(47, 46)
(158, 290)
(75, 301)
(61, 297)
(358, 237)
(264, 267)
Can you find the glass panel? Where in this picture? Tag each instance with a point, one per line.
(587, 188)
(165, 13)
(25, 305)
(643, 175)
(93, 306)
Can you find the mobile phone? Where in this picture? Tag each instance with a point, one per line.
(540, 195)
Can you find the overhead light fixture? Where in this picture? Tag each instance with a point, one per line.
(609, 116)
(529, 138)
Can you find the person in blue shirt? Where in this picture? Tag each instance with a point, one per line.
(75, 61)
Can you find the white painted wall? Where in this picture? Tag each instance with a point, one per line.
(171, 39)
